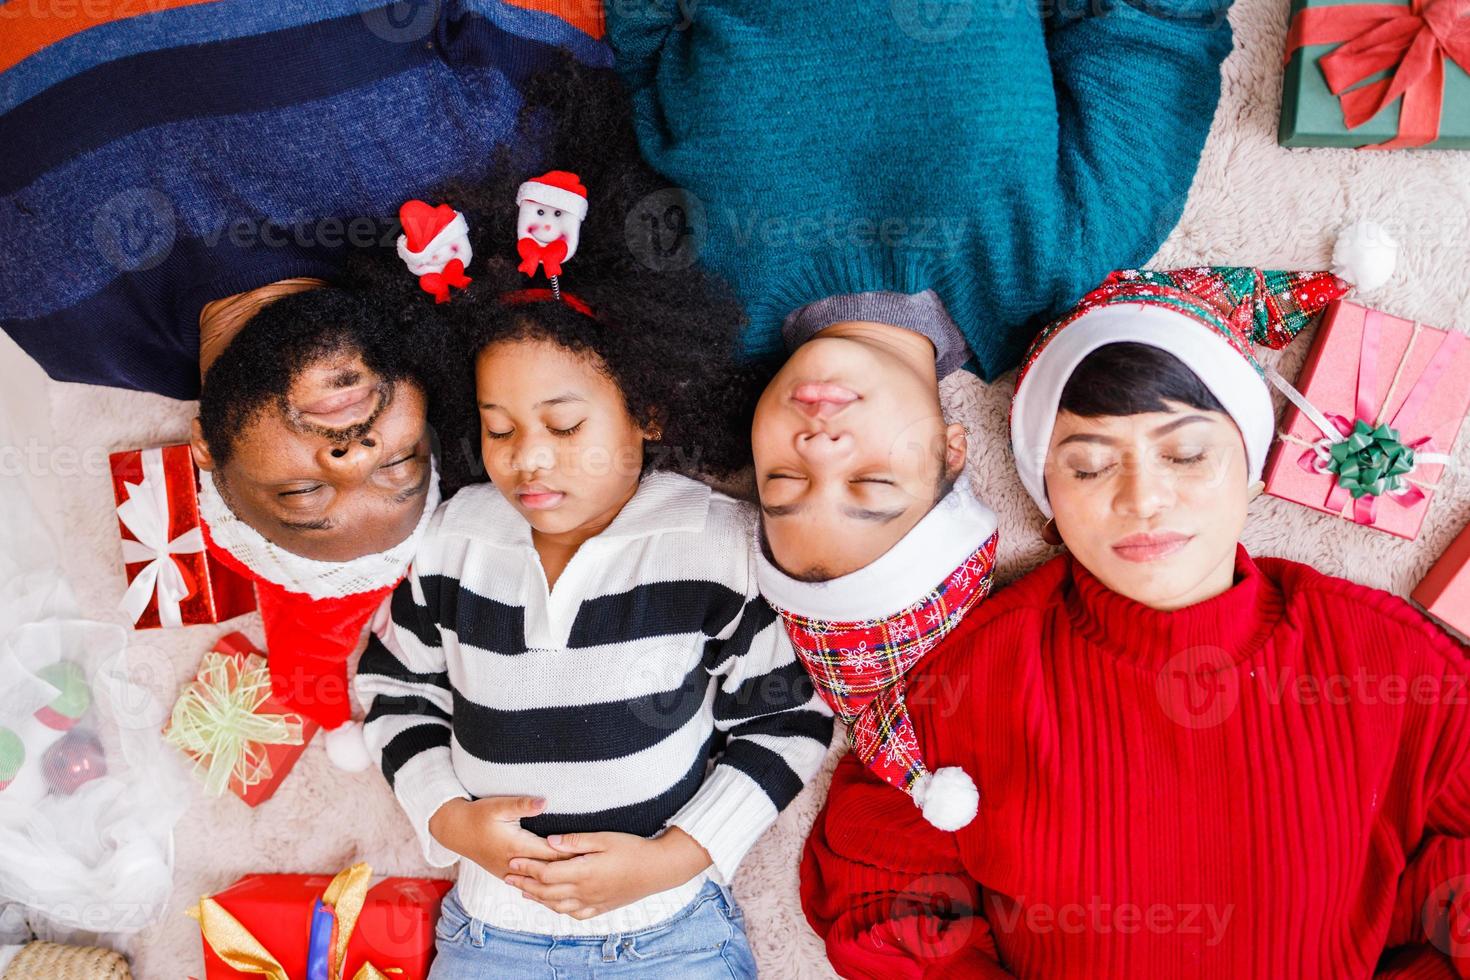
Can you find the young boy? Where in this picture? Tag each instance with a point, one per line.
(896, 197)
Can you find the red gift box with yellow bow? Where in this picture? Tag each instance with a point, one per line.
(295, 927)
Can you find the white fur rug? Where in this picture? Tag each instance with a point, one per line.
(1252, 203)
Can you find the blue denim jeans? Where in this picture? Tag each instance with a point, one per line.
(704, 941)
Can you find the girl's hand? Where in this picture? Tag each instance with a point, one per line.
(601, 872)
(489, 832)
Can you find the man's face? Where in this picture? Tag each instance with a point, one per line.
(336, 468)
(851, 448)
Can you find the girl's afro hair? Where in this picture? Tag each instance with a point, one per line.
(664, 329)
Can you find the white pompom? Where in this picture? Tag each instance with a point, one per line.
(1365, 255)
(948, 797)
(347, 748)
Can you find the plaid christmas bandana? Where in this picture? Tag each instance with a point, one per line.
(859, 667)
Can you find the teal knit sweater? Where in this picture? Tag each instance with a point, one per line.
(1006, 153)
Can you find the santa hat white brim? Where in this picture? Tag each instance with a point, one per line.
(454, 231)
(922, 559)
(308, 576)
(1231, 378)
(553, 197)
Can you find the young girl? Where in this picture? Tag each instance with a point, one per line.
(581, 636)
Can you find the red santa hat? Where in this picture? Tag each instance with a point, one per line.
(313, 611)
(1210, 318)
(424, 225)
(556, 189)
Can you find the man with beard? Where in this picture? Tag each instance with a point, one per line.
(316, 479)
(179, 183)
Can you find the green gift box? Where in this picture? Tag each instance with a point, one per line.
(1311, 115)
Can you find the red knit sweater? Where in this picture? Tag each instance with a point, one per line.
(1272, 784)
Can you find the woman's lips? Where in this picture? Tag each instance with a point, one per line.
(1150, 547)
(341, 408)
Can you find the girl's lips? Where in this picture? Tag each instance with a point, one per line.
(1143, 548)
(341, 408)
(540, 499)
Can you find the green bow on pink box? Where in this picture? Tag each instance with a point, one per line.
(1366, 455)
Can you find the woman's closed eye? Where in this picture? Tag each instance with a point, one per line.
(1090, 466)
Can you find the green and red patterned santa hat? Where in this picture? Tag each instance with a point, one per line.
(1211, 318)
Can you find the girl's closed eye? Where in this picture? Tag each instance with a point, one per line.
(570, 431)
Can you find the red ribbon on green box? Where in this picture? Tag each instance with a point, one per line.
(1412, 43)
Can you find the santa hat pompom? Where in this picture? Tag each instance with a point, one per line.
(1365, 255)
(947, 797)
(347, 747)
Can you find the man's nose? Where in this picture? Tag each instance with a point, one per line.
(823, 447)
(353, 459)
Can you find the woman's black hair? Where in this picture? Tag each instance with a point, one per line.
(1133, 379)
(664, 329)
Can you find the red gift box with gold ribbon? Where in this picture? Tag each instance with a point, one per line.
(172, 581)
(299, 927)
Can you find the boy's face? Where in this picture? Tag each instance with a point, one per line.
(851, 448)
(1151, 504)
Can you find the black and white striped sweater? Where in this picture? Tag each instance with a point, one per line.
(652, 687)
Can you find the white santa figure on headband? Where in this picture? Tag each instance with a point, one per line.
(435, 245)
(552, 208)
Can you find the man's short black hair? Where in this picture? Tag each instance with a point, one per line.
(1133, 379)
(257, 368)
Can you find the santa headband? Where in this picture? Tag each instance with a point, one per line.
(435, 244)
(317, 579)
(1210, 318)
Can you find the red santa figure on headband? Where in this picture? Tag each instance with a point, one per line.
(553, 207)
(435, 245)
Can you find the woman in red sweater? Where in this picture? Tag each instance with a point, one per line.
(1191, 763)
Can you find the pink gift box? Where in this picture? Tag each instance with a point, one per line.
(1445, 591)
(1405, 363)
